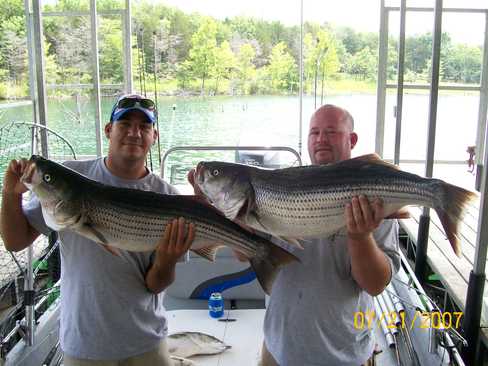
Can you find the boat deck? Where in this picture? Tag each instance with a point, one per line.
(242, 330)
(453, 271)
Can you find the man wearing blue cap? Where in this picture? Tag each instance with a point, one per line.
(111, 305)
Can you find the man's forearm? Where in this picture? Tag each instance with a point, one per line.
(369, 265)
(16, 231)
(159, 278)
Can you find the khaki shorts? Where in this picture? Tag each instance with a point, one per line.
(157, 357)
(268, 360)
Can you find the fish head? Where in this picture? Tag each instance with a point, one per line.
(227, 186)
(55, 191)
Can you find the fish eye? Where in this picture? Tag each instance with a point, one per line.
(215, 172)
(47, 178)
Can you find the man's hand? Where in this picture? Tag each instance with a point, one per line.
(11, 180)
(369, 266)
(363, 217)
(175, 242)
(191, 179)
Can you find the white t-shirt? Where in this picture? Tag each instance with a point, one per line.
(310, 316)
(107, 313)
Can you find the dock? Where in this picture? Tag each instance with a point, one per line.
(453, 272)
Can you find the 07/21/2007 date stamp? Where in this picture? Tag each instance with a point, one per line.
(395, 320)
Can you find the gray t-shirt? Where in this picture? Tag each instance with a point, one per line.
(310, 315)
(107, 312)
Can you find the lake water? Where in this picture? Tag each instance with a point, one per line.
(271, 120)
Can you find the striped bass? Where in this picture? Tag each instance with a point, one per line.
(309, 202)
(135, 220)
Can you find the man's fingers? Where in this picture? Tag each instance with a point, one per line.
(189, 236)
(167, 234)
(181, 231)
(356, 211)
(367, 215)
(379, 209)
(351, 224)
(174, 234)
(191, 177)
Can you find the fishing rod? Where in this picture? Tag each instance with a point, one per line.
(156, 94)
(142, 76)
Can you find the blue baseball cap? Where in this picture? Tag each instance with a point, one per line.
(131, 102)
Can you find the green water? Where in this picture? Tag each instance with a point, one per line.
(261, 120)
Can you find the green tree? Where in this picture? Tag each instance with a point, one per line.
(13, 48)
(225, 62)
(202, 55)
(321, 60)
(282, 69)
(245, 70)
(245, 27)
(363, 64)
(111, 51)
(463, 64)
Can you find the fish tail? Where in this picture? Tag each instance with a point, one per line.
(450, 205)
(267, 267)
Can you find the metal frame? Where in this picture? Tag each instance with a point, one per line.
(96, 75)
(474, 297)
(227, 148)
(38, 96)
(383, 85)
(126, 31)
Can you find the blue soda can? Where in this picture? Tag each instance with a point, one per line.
(216, 305)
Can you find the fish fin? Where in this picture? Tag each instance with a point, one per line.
(293, 241)
(402, 213)
(208, 252)
(258, 225)
(374, 158)
(111, 250)
(450, 207)
(89, 231)
(267, 267)
(181, 361)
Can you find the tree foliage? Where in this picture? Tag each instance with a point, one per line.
(241, 55)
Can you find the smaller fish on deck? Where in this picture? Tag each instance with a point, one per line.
(135, 220)
(309, 202)
(188, 344)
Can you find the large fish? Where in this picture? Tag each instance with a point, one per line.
(309, 202)
(134, 220)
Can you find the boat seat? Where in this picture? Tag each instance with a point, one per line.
(197, 278)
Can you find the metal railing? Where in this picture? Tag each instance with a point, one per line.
(227, 148)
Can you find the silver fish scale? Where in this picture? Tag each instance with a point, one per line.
(141, 230)
(307, 211)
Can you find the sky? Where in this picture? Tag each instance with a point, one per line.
(361, 15)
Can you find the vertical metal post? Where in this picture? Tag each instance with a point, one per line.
(381, 88)
(300, 117)
(32, 64)
(40, 107)
(401, 63)
(96, 74)
(128, 47)
(40, 75)
(482, 111)
(423, 231)
(29, 298)
(474, 296)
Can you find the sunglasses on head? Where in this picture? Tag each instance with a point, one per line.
(130, 102)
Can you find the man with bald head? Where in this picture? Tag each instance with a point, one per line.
(310, 316)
